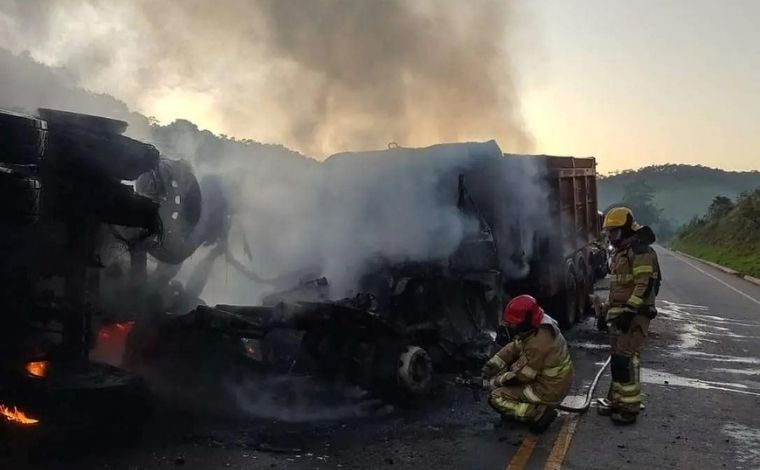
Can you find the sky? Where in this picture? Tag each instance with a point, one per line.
(633, 83)
(645, 82)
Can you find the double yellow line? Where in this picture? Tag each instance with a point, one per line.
(558, 452)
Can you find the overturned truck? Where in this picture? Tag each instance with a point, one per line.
(532, 227)
(77, 194)
(62, 185)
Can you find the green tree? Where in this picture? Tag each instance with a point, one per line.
(720, 206)
(639, 197)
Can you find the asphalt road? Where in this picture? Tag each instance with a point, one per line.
(701, 373)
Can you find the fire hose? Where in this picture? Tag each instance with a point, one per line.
(477, 384)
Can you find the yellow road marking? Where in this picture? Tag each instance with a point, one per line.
(521, 457)
(562, 443)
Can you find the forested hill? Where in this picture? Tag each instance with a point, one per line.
(681, 191)
(26, 85)
(728, 234)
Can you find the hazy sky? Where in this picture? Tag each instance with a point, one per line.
(631, 82)
(647, 81)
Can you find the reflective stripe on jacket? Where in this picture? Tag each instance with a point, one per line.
(541, 360)
(635, 278)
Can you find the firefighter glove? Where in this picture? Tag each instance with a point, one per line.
(492, 367)
(499, 380)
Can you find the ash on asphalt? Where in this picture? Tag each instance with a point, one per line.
(174, 435)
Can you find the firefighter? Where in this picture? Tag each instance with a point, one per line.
(532, 374)
(635, 282)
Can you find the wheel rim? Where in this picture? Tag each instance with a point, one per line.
(415, 371)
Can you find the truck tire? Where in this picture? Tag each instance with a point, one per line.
(97, 124)
(87, 145)
(583, 288)
(591, 273)
(22, 138)
(566, 301)
(19, 199)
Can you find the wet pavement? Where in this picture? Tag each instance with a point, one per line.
(700, 374)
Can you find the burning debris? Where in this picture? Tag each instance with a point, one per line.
(37, 368)
(110, 343)
(17, 416)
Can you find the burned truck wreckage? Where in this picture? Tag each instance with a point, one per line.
(76, 193)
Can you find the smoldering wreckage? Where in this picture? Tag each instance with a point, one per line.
(80, 333)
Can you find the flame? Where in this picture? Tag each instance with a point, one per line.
(110, 342)
(16, 416)
(37, 368)
(115, 331)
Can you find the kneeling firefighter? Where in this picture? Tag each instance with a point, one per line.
(532, 374)
(636, 278)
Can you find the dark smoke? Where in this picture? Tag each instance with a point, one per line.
(319, 76)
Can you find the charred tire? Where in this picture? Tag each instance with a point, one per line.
(83, 152)
(415, 372)
(86, 145)
(19, 199)
(22, 138)
(98, 124)
(568, 298)
(583, 288)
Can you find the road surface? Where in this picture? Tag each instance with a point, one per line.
(701, 374)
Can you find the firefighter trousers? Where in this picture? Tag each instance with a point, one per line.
(625, 389)
(511, 401)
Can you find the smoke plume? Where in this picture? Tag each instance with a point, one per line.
(317, 76)
(320, 76)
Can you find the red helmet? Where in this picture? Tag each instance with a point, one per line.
(523, 310)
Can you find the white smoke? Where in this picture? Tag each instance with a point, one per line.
(301, 399)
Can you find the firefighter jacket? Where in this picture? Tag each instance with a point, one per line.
(635, 277)
(540, 360)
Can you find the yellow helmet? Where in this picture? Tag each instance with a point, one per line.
(619, 217)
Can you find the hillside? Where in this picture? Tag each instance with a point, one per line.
(729, 234)
(681, 191)
(26, 85)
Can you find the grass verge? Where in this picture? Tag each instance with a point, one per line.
(744, 261)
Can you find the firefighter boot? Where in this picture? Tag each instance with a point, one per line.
(544, 421)
(623, 417)
(603, 407)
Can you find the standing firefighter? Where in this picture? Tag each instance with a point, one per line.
(531, 375)
(635, 283)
